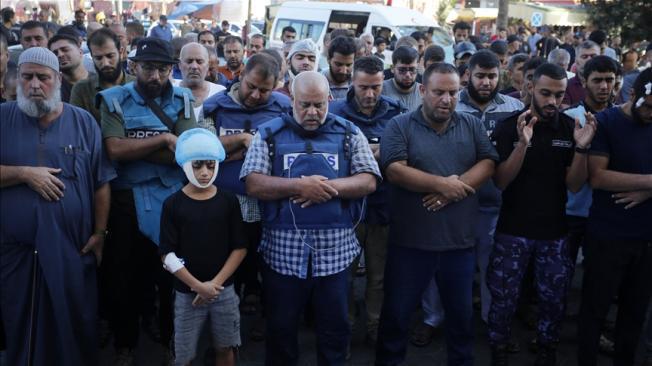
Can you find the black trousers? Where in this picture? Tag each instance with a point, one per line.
(133, 272)
(247, 273)
(622, 268)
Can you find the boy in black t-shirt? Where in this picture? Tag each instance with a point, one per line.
(203, 225)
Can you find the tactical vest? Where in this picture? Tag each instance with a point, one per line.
(151, 183)
(295, 152)
(232, 118)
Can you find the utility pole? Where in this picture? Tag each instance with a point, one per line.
(503, 13)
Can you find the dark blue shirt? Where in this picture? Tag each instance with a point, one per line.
(373, 126)
(628, 145)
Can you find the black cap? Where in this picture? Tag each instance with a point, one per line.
(154, 50)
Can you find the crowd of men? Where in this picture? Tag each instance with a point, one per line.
(156, 183)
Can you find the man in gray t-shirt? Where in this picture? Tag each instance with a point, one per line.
(435, 159)
(403, 86)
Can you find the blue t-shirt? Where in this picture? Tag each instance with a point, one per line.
(628, 145)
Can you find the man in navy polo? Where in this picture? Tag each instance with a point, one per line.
(618, 249)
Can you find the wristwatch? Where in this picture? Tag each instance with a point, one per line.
(581, 150)
(102, 232)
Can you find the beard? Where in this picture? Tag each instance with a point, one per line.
(435, 116)
(151, 89)
(475, 94)
(403, 85)
(109, 74)
(543, 113)
(340, 77)
(38, 108)
(233, 63)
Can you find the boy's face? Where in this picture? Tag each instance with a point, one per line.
(203, 170)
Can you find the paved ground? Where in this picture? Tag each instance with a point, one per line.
(252, 353)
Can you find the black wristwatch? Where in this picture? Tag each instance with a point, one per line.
(580, 150)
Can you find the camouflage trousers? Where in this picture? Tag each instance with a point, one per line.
(507, 265)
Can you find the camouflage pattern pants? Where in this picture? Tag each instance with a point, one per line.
(507, 266)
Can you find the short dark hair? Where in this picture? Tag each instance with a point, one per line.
(273, 54)
(434, 53)
(79, 11)
(379, 40)
(598, 36)
(135, 27)
(533, 63)
(418, 36)
(404, 55)
(343, 45)
(517, 59)
(439, 68)
(232, 39)
(369, 65)
(101, 36)
(7, 14)
(498, 47)
(600, 63)
(177, 44)
(264, 65)
(462, 69)
(63, 37)
(552, 71)
(339, 32)
(462, 26)
(207, 32)
(71, 31)
(484, 59)
(258, 35)
(288, 28)
(33, 24)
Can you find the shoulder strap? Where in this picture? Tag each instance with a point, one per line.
(158, 111)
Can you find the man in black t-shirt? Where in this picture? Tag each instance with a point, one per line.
(542, 154)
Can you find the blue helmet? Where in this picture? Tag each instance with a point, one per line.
(198, 144)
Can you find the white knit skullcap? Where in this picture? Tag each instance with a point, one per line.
(40, 56)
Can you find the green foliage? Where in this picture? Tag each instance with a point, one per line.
(445, 7)
(631, 19)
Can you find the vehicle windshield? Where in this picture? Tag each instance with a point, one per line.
(439, 35)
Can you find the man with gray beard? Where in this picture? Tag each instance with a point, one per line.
(54, 183)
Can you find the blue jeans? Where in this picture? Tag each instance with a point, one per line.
(407, 275)
(433, 312)
(285, 299)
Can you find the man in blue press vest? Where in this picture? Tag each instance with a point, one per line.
(237, 113)
(140, 124)
(370, 111)
(310, 169)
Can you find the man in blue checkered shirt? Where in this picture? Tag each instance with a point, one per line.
(309, 171)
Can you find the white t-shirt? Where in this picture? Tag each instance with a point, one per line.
(199, 110)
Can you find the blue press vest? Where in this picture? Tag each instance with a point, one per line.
(373, 128)
(151, 183)
(140, 122)
(327, 152)
(232, 118)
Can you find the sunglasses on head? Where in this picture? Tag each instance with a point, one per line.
(197, 164)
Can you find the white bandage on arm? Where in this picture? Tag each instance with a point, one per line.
(172, 263)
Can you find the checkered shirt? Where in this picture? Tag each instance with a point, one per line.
(330, 251)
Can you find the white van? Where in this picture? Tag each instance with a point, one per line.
(315, 19)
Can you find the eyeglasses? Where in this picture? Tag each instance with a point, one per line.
(197, 164)
(149, 69)
(405, 70)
